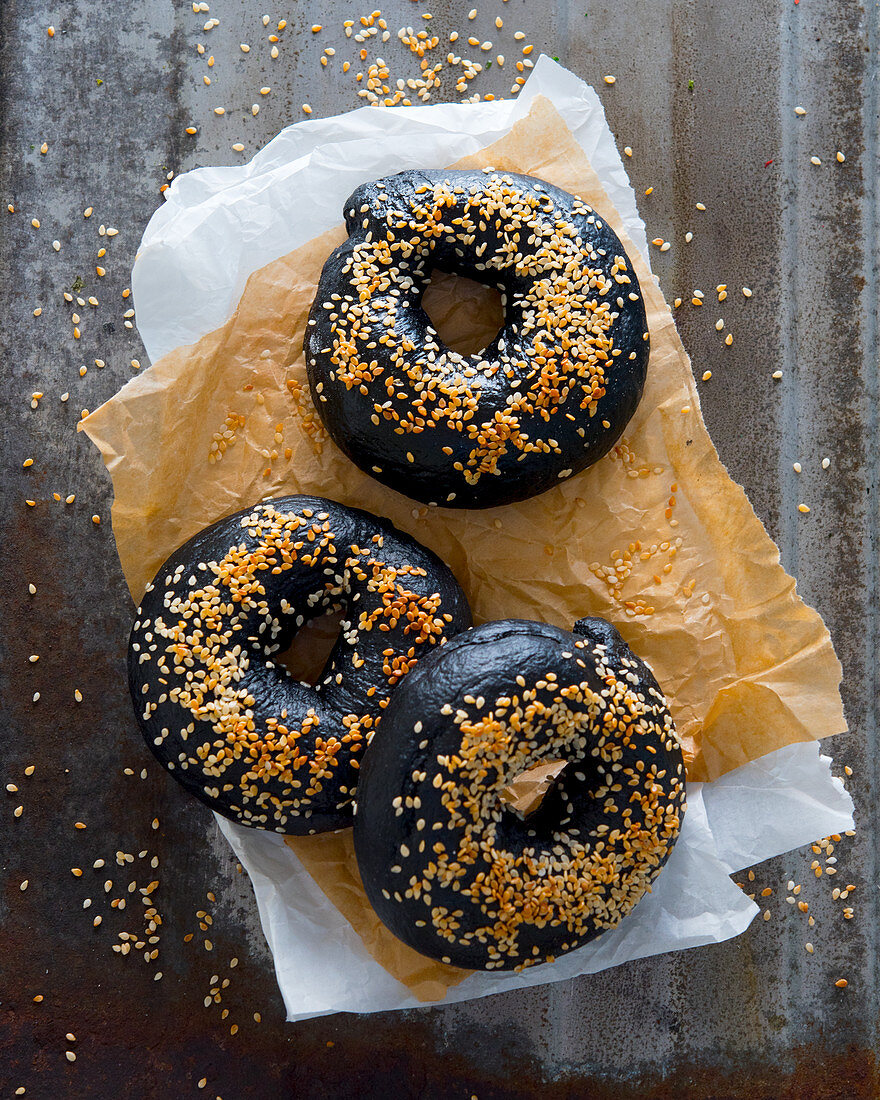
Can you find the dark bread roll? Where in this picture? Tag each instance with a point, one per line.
(448, 865)
(229, 723)
(548, 397)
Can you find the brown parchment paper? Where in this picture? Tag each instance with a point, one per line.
(656, 537)
(526, 792)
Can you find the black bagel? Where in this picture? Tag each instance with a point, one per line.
(235, 728)
(548, 397)
(448, 867)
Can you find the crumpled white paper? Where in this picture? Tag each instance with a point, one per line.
(219, 225)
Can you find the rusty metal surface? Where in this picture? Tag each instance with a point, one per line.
(111, 94)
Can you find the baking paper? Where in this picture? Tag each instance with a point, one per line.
(747, 666)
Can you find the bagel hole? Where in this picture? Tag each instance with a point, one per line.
(309, 651)
(466, 314)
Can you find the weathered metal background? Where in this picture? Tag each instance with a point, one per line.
(111, 94)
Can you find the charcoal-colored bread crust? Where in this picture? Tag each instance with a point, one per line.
(229, 723)
(449, 868)
(548, 397)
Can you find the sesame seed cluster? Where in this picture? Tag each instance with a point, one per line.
(447, 865)
(548, 397)
(231, 724)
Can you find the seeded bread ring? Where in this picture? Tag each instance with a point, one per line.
(448, 867)
(231, 725)
(548, 397)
